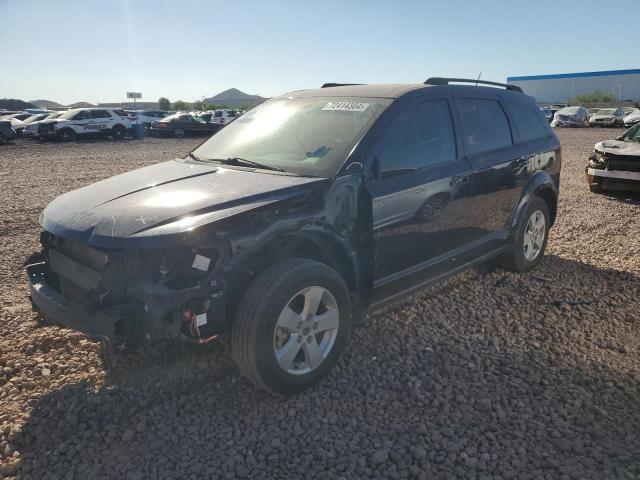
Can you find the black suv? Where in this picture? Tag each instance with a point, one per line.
(298, 218)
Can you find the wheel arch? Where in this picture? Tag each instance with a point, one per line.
(542, 186)
(324, 249)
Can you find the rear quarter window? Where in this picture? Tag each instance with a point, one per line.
(485, 125)
(530, 124)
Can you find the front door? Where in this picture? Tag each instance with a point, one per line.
(420, 191)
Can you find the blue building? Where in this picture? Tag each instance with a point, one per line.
(622, 84)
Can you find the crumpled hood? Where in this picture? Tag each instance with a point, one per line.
(617, 147)
(152, 205)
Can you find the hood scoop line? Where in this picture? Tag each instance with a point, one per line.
(153, 185)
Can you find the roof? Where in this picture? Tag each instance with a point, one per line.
(390, 90)
(575, 75)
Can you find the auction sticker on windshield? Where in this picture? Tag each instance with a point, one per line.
(346, 106)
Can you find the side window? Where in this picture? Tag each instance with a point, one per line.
(81, 115)
(418, 136)
(100, 114)
(530, 125)
(485, 125)
(217, 114)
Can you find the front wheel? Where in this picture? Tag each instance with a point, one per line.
(2, 140)
(66, 135)
(178, 132)
(530, 238)
(291, 326)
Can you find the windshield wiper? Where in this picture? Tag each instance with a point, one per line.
(195, 157)
(251, 163)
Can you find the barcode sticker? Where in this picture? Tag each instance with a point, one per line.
(346, 106)
(201, 319)
(201, 262)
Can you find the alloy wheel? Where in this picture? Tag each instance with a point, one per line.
(306, 330)
(534, 234)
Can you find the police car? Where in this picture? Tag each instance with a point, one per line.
(92, 122)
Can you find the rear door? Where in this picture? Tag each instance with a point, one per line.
(100, 121)
(499, 164)
(419, 188)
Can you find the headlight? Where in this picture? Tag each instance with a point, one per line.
(597, 160)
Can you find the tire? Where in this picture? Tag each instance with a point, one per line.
(118, 132)
(178, 133)
(517, 259)
(258, 335)
(66, 135)
(2, 139)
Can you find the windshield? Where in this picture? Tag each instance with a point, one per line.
(171, 118)
(69, 115)
(607, 111)
(633, 135)
(306, 136)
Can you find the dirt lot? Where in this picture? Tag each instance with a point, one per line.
(490, 376)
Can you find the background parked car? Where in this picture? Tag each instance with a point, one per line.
(548, 114)
(593, 111)
(6, 132)
(571, 117)
(17, 116)
(607, 117)
(182, 124)
(223, 116)
(147, 117)
(31, 129)
(615, 164)
(95, 122)
(632, 118)
(20, 125)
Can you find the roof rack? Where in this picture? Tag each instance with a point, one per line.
(446, 81)
(328, 85)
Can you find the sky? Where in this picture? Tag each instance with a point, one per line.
(96, 51)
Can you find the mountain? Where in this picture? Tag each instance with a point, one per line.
(46, 104)
(81, 105)
(14, 104)
(235, 98)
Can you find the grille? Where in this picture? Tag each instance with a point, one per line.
(75, 272)
(629, 164)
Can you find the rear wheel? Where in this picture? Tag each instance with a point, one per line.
(291, 326)
(2, 139)
(118, 132)
(530, 238)
(66, 135)
(178, 132)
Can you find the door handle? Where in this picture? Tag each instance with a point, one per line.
(459, 179)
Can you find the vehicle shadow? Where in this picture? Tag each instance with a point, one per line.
(630, 197)
(445, 394)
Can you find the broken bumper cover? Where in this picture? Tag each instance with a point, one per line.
(617, 174)
(57, 309)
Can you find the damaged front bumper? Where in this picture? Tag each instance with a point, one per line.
(59, 310)
(75, 295)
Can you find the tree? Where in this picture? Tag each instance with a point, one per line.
(198, 105)
(180, 106)
(592, 97)
(164, 103)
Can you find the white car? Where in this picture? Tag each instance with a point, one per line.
(607, 117)
(632, 118)
(223, 116)
(147, 117)
(31, 129)
(93, 122)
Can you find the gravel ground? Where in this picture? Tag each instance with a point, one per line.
(491, 375)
